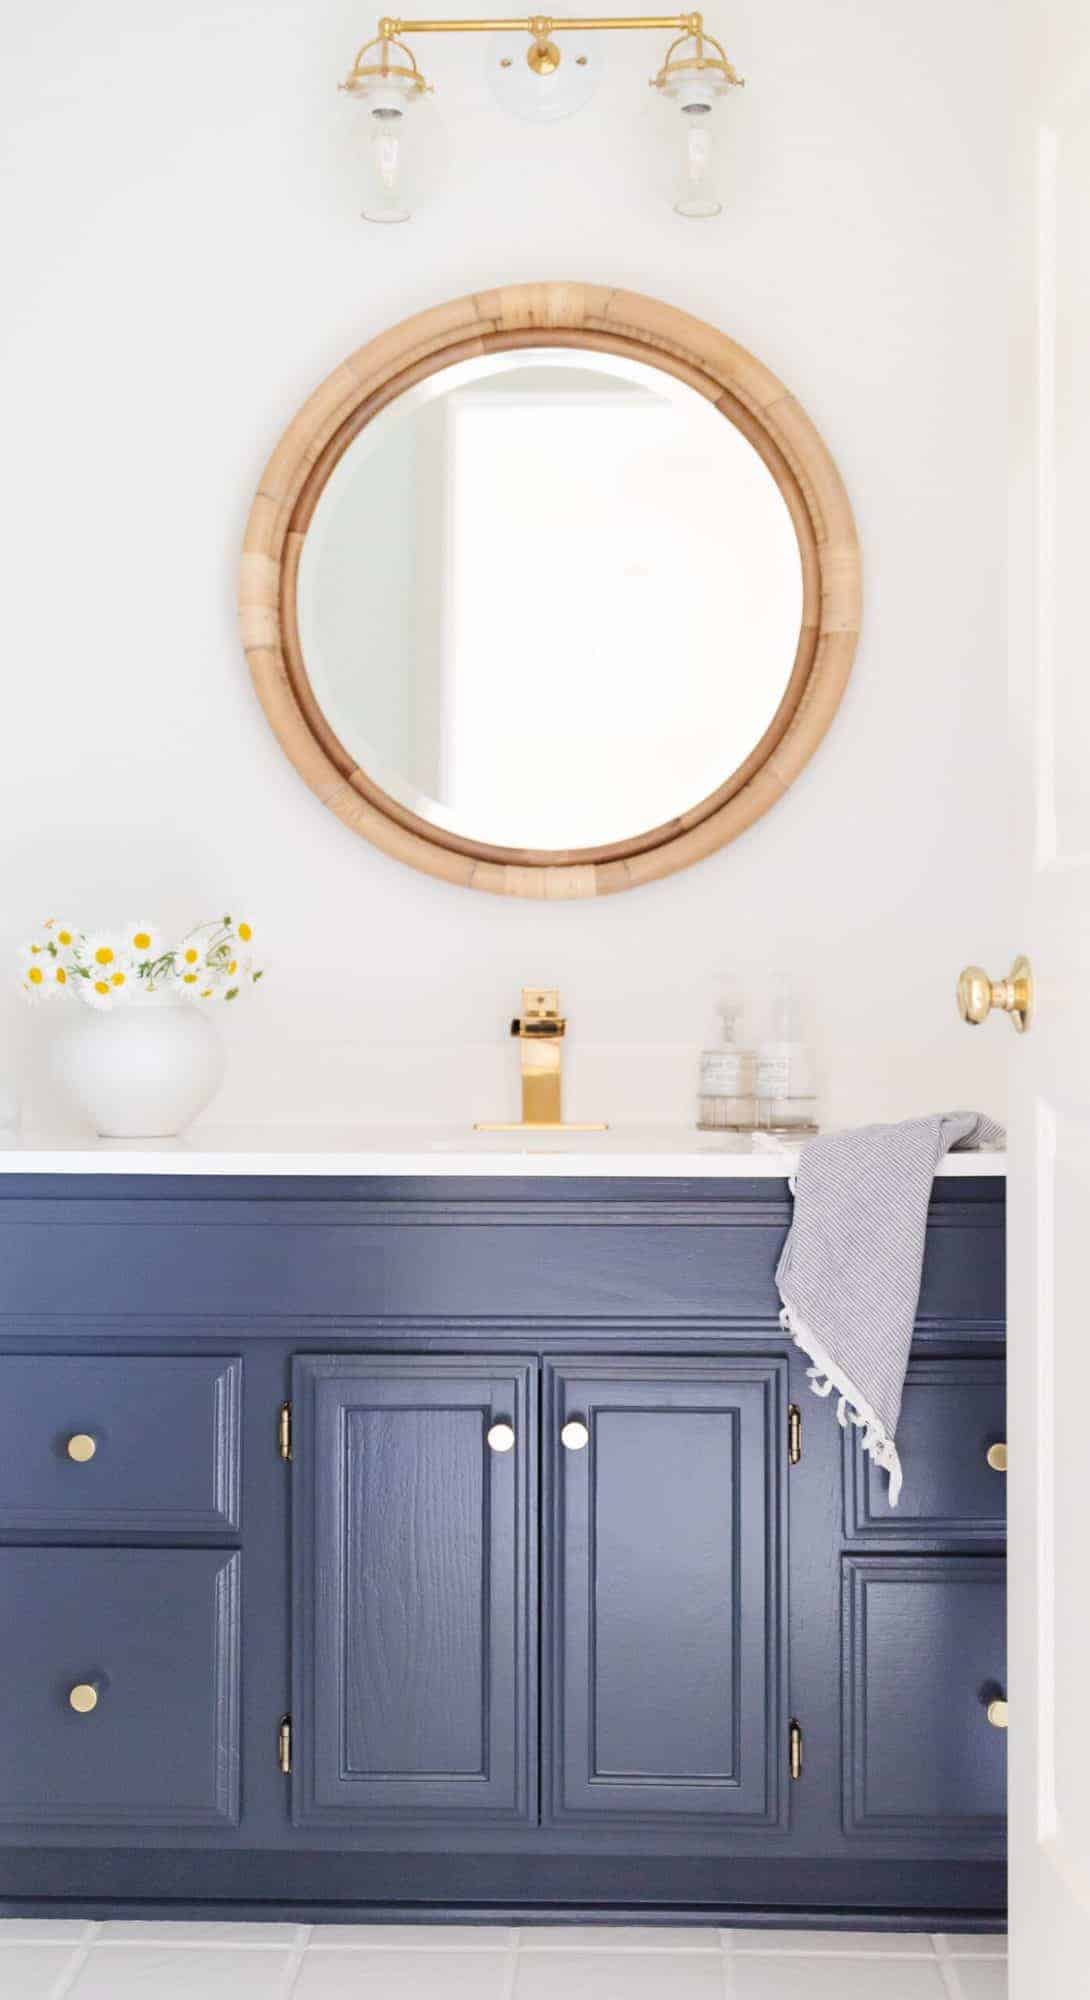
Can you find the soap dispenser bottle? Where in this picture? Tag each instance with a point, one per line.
(726, 1101)
(785, 1081)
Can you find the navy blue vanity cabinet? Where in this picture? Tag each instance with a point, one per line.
(477, 1548)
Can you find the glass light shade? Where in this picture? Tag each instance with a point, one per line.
(694, 98)
(392, 173)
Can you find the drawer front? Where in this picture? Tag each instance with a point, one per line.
(120, 1673)
(924, 1656)
(144, 1444)
(952, 1416)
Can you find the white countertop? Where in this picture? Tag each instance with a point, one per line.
(626, 1152)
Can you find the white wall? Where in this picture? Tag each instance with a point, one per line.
(183, 264)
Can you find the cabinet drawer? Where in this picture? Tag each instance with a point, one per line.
(120, 1676)
(952, 1415)
(145, 1444)
(924, 1655)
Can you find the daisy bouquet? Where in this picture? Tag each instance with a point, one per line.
(110, 968)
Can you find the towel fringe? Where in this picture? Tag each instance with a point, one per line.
(824, 1377)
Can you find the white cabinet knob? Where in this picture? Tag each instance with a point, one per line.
(574, 1435)
(997, 1714)
(81, 1448)
(500, 1437)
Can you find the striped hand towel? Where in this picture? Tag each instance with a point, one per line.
(849, 1273)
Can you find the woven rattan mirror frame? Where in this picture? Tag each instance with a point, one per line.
(568, 315)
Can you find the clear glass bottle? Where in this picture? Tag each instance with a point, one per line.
(725, 1102)
(785, 1081)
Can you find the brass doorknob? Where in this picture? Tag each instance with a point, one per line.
(997, 1456)
(977, 995)
(996, 1713)
(83, 1697)
(81, 1447)
(500, 1437)
(574, 1435)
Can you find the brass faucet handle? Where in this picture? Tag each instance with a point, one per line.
(541, 1019)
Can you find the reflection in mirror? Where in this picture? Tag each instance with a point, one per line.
(550, 598)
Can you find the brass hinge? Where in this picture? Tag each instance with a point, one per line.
(794, 1433)
(283, 1746)
(283, 1431)
(794, 1751)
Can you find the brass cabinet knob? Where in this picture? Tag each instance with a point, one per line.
(574, 1435)
(500, 1437)
(997, 1455)
(977, 995)
(81, 1447)
(83, 1697)
(996, 1713)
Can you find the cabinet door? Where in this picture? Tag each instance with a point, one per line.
(415, 1589)
(924, 1657)
(664, 1546)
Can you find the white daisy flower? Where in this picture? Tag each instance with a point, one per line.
(189, 975)
(143, 942)
(63, 936)
(102, 951)
(57, 976)
(123, 978)
(97, 990)
(189, 959)
(37, 966)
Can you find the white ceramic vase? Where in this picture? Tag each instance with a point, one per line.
(141, 1072)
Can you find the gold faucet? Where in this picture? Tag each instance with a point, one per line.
(540, 1030)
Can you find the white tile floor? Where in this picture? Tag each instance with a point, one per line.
(144, 1961)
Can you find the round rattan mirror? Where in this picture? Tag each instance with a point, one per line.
(550, 591)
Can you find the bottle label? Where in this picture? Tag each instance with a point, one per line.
(726, 1073)
(774, 1074)
(785, 1070)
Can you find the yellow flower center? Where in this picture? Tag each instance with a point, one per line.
(190, 956)
(35, 975)
(102, 985)
(142, 940)
(189, 979)
(60, 975)
(245, 933)
(64, 937)
(117, 979)
(232, 968)
(104, 955)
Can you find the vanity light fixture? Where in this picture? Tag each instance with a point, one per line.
(695, 76)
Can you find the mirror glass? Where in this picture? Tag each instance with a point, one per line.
(549, 598)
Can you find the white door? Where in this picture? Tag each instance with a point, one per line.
(1048, 818)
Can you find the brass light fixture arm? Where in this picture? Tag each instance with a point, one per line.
(539, 25)
(543, 56)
